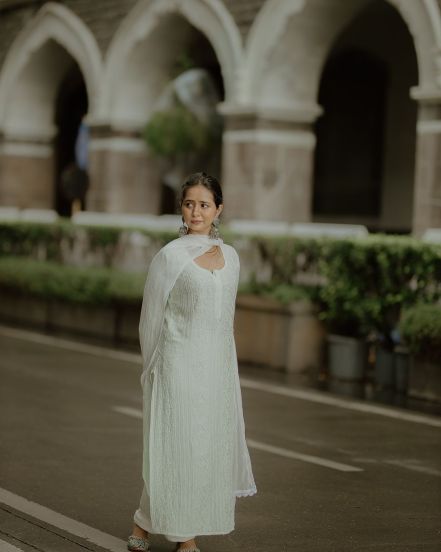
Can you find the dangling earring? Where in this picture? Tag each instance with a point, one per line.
(183, 229)
(214, 230)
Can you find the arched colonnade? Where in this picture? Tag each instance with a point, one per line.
(272, 83)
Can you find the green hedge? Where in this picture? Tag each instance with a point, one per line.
(370, 281)
(89, 286)
(284, 293)
(360, 284)
(45, 241)
(103, 286)
(366, 281)
(420, 328)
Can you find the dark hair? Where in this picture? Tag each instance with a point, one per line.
(204, 179)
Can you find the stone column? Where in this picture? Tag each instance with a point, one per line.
(267, 164)
(26, 173)
(427, 192)
(124, 178)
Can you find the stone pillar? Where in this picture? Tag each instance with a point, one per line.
(124, 178)
(427, 192)
(26, 174)
(267, 165)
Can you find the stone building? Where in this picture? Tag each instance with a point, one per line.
(331, 108)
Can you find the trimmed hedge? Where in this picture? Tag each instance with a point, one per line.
(88, 286)
(102, 286)
(365, 281)
(370, 281)
(45, 241)
(284, 293)
(360, 284)
(420, 328)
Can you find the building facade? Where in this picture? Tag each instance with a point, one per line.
(331, 108)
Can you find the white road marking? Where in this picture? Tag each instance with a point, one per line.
(303, 457)
(65, 523)
(321, 397)
(70, 345)
(6, 547)
(135, 413)
(409, 465)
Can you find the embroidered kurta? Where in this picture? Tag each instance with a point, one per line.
(193, 420)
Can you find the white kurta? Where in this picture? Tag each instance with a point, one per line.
(193, 419)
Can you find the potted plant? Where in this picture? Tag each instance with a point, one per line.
(420, 328)
(344, 313)
(369, 281)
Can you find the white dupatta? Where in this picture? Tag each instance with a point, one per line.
(163, 272)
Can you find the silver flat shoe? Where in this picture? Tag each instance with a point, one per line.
(137, 544)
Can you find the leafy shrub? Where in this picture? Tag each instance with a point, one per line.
(177, 131)
(48, 280)
(360, 284)
(420, 328)
(43, 241)
(32, 238)
(283, 293)
(370, 280)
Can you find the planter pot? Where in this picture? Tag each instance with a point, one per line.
(76, 319)
(16, 308)
(347, 357)
(306, 339)
(261, 331)
(402, 361)
(384, 369)
(425, 379)
(105, 323)
(127, 325)
(288, 338)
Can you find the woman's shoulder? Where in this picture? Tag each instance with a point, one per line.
(162, 255)
(168, 248)
(231, 251)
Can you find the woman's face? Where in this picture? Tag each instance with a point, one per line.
(199, 209)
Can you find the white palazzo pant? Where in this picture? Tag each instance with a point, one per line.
(143, 520)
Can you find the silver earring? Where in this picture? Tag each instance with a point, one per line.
(214, 230)
(183, 229)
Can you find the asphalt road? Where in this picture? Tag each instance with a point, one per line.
(332, 474)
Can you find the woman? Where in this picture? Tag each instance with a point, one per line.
(195, 460)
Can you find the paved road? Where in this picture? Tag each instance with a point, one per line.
(332, 474)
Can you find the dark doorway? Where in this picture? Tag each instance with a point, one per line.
(350, 135)
(71, 106)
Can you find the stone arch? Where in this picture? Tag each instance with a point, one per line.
(364, 157)
(286, 89)
(20, 80)
(210, 17)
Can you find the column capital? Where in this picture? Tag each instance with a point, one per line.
(301, 113)
(105, 137)
(426, 95)
(279, 127)
(20, 146)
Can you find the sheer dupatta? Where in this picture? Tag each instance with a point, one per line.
(163, 272)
